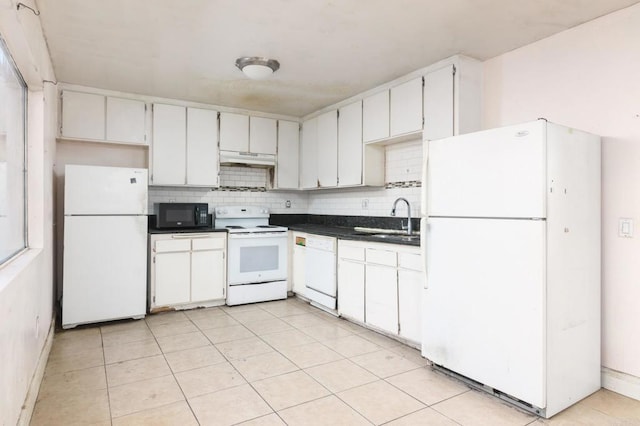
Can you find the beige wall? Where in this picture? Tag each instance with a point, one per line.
(26, 297)
(589, 78)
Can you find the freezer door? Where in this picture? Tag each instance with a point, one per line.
(495, 173)
(105, 190)
(484, 303)
(105, 268)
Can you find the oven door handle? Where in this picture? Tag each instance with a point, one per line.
(189, 236)
(258, 235)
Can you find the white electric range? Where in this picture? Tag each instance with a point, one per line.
(257, 254)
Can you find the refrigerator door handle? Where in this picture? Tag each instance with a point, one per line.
(424, 207)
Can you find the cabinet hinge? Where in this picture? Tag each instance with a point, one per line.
(454, 70)
(223, 291)
(338, 113)
(398, 328)
(154, 299)
(154, 259)
(145, 107)
(423, 81)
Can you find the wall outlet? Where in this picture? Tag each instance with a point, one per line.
(365, 204)
(287, 204)
(625, 227)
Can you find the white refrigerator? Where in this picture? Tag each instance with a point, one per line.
(105, 244)
(511, 244)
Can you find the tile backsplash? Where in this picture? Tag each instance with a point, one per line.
(247, 186)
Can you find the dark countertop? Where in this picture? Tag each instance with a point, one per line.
(349, 233)
(343, 226)
(184, 231)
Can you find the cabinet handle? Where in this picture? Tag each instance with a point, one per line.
(189, 236)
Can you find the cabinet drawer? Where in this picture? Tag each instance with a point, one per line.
(164, 246)
(411, 261)
(382, 257)
(208, 243)
(351, 253)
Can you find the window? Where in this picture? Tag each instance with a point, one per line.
(13, 205)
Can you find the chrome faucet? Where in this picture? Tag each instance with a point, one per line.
(393, 212)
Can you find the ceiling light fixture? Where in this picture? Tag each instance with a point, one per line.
(257, 68)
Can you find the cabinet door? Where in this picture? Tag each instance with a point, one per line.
(410, 284)
(83, 115)
(298, 270)
(327, 149)
(406, 108)
(172, 278)
(263, 135)
(202, 147)
(126, 120)
(308, 150)
(351, 289)
(375, 117)
(438, 104)
(381, 297)
(234, 132)
(288, 155)
(169, 145)
(350, 145)
(207, 275)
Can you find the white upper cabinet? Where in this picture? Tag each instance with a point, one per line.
(350, 145)
(288, 155)
(438, 103)
(405, 106)
(96, 117)
(202, 147)
(126, 120)
(308, 154)
(263, 135)
(185, 146)
(234, 132)
(83, 115)
(327, 151)
(169, 145)
(375, 117)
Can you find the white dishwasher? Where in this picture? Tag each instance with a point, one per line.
(320, 271)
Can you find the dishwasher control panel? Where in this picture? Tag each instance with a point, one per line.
(321, 243)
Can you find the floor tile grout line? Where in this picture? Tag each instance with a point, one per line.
(106, 378)
(186, 400)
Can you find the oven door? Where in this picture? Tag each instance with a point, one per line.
(257, 257)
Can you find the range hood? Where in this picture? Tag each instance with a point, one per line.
(247, 158)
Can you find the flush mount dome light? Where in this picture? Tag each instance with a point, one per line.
(257, 68)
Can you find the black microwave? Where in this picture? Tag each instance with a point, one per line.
(182, 215)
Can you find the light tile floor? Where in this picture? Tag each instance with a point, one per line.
(272, 363)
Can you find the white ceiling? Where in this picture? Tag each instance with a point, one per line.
(328, 49)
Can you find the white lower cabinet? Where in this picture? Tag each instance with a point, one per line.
(410, 285)
(186, 270)
(381, 299)
(380, 285)
(351, 278)
(298, 259)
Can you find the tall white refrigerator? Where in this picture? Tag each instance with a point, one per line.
(105, 244)
(511, 225)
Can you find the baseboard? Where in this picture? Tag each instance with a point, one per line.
(36, 379)
(622, 383)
